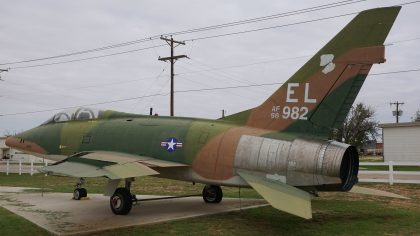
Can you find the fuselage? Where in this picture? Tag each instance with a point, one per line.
(148, 136)
(212, 150)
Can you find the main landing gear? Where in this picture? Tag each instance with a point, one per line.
(122, 200)
(212, 194)
(79, 192)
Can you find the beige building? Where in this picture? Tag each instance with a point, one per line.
(4, 150)
(401, 141)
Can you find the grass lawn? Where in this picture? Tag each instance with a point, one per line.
(11, 224)
(396, 168)
(385, 168)
(363, 158)
(334, 213)
(144, 185)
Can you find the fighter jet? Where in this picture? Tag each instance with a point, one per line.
(279, 148)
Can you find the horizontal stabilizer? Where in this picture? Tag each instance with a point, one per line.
(375, 192)
(280, 195)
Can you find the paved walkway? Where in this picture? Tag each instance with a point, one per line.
(59, 214)
(407, 176)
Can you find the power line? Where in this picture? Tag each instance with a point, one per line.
(270, 17)
(152, 85)
(402, 41)
(179, 91)
(78, 52)
(244, 65)
(212, 79)
(86, 58)
(394, 72)
(291, 24)
(207, 28)
(270, 27)
(192, 39)
(134, 98)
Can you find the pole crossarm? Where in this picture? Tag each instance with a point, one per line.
(172, 58)
(172, 40)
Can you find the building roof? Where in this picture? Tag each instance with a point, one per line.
(397, 125)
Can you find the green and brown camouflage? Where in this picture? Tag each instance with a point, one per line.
(274, 148)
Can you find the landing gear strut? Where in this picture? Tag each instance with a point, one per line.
(79, 192)
(212, 194)
(122, 200)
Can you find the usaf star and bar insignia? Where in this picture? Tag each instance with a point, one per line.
(171, 144)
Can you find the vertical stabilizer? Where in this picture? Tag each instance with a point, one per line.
(320, 94)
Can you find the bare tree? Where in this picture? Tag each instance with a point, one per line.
(358, 127)
(416, 117)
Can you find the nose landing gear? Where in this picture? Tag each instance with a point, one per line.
(79, 192)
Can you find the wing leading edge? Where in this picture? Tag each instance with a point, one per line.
(106, 164)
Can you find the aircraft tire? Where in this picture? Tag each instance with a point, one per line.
(83, 192)
(212, 194)
(77, 194)
(121, 201)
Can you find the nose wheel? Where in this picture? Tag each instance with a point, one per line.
(79, 192)
(212, 194)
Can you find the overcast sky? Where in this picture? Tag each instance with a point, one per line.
(37, 29)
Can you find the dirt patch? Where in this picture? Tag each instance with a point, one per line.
(408, 190)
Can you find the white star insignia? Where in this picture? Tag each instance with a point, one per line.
(171, 144)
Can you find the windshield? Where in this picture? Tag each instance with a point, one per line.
(81, 113)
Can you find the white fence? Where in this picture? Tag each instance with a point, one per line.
(370, 176)
(390, 176)
(20, 166)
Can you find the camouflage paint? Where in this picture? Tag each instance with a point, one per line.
(209, 145)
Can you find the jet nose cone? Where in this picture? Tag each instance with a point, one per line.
(12, 141)
(24, 145)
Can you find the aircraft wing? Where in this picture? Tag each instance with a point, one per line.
(112, 165)
(280, 195)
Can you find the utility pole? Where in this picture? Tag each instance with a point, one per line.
(3, 70)
(172, 43)
(397, 113)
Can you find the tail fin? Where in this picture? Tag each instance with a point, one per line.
(319, 95)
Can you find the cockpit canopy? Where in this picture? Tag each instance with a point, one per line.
(81, 113)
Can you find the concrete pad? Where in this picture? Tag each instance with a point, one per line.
(7, 189)
(397, 176)
(60, 214)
